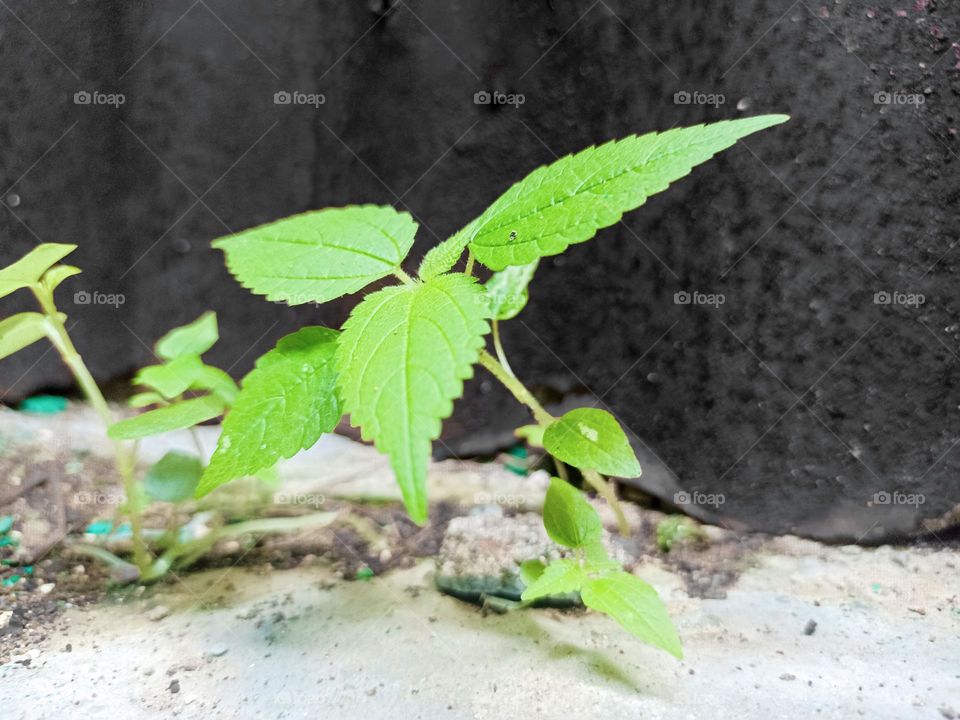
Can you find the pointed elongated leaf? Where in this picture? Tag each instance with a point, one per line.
(141, 400)
(192, 339)
(21, 330)
(285, 404)
(403, 356)
(216, 381)
(508, 292)
(441, 258)
(173, 478)
(636, 606)
(559, 577)
(568, 201)
(321, 255)
(568, 518)
(57, 274)
(592, 439)
(184, 414)
(27, 270)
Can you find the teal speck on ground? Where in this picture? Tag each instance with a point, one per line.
(43, 404)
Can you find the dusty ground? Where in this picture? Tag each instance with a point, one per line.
(283, 629)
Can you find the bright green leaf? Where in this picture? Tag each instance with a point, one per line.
(568, 518)
(184, 414)
(636, 606)
(286, 403)
(568, 201)
(508, 292)
(216, 381)
(21, 330)
(192, 339)
(172, 378)
(145, 398)
(320, 255)
(27, 270)
(441, 258)
(592, 439)
(531, 570)
(57, 274)
(404, 354)
(533, 434)
(173, 478)
(559, 577)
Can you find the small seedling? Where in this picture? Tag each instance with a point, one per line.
(401, 358)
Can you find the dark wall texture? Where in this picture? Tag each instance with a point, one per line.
(805, 378)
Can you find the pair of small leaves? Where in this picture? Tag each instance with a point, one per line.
(32, 267)
(603, 585)
(183, 370)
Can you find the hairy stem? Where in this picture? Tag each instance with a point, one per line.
(404, 278)
(606, 491)
(524, 396)
(469, 268)
(124, 458)
(501, 355)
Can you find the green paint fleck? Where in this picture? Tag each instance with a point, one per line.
(43, 404)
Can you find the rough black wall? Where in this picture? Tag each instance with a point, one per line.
(798, 398)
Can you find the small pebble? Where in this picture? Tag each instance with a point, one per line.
(174, 686)
(810, 628)
(158, 613)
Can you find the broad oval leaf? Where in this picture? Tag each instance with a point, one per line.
(404, 354)
(173, 477)
(20, 331)
(568, 518)
(636, 606)
(27, 270)
(558, 578)
(568, 201)
(285, 404)
(508, 292)
(592, 439)
(184, 414)
(192, 339)
(320, 255)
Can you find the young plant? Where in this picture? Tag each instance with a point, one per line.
(401, 358)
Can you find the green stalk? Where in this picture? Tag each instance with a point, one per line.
(124, 459)
(519, 391)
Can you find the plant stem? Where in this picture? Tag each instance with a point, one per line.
(524, 396)
(124, 459)
(404, 278)
(469, 268)
(501, 355)
(606, 491)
